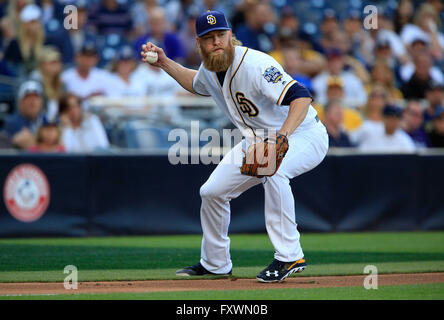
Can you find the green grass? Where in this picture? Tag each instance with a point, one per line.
(400, 292)
(157, 257)
(145, 258)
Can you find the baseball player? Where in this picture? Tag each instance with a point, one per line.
(273, 112)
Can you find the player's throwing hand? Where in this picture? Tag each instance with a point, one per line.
(150, 47)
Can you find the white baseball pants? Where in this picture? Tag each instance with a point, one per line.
(306, 150)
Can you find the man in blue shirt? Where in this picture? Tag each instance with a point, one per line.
(333, 118)
(412, 123)
(160, 36)
(258, 28)
(22, 125)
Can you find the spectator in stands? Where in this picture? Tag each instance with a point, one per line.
(412, 123)
(308, 61)
(7, 31)
(329, 24)
(356, 34)
(214, 5)
(436, 131)
(314, 61)
(7, 89)
(335, 88)
(124, 84)
(140, 13)
(178, 11)
(288, 22)
(259, 26)
(51, 10)
(339, 40)
(403, 15)
(14, 9)
(48, 138)
(5, 70)
(85, 79)
(383, 52)
(423, 73)
(287, 28)
(187, 36)
(238, 16)
(382, 38)
(157, 83)
(426, 26)
(351, 118)
(286, 33)
(333, 119)
(81, 131)
(3, 6)
(161, 36)
(111, 17)
(22, 52)
(23, 124)
(70, 40)
(392, 138)
(382, 74)
(438, 5)
(293, 64)
(417, 49)
(385, 33)
(435, 99)
(418, 46)
(372, 116)
(49, 74)
(355, 94)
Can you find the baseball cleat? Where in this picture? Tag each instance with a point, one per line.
(278, 271)
(197, 270)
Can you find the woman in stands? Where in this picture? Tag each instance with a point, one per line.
(49, 74)
(22, 52)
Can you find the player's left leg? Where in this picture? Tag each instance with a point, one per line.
(306, 151)
(224, 184)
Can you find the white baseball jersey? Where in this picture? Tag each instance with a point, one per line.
(253, 89)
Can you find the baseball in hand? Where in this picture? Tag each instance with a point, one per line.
(151, 57)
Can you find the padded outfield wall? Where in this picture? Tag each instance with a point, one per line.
(142, 194)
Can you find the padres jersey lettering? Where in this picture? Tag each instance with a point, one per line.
(252, 94)
(246, 106)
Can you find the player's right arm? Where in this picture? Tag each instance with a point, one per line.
(184, 76)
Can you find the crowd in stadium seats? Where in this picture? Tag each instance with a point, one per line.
(375, 89)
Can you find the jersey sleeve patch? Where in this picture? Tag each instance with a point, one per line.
(272, 75)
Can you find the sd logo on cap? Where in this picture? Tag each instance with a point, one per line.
(210, 21)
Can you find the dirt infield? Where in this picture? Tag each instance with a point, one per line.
(216, 284)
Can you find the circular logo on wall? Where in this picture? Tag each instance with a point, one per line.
(26, 192)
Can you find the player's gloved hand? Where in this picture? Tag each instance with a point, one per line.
(264, 158)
